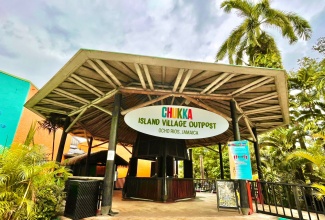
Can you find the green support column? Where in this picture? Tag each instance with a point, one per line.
(63, 139)
(108, 185)
(257, 155)
(222, 175)
(244, 204)
(88, 155)
(234, 120)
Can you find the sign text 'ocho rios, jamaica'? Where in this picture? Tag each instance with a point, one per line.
(177, 122)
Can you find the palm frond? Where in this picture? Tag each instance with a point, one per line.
(301, 26)
(321, 190)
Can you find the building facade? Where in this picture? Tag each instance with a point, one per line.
(15, 119)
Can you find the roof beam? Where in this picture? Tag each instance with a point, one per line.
(102, 109)
(251, 86)
(87, 85)
(126, 69)
(267, 117)
(75, 120)
(144, 104)
(164, 92)
(83, 86)
(185, 81)
(247, 122)
(103, 75)
(68, 95)
(260, 110)
(214, 82)
(243, 114)
(139, 72)
(197, 76)
(146, 71)
(39, 108)
(178, 79)
(206, 107)
(163, 76)
(269, 124)
(49, 101)
(259, 99)
(96, 101)
(108, 72)
(92, 114)
(221, 83)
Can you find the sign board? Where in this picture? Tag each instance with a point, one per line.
(177, 122)
(240, 161)
(227, 194)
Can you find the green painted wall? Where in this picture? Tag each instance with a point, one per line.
(13, 94)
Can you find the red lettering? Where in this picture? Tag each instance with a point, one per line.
(169, 112)
(190, 117)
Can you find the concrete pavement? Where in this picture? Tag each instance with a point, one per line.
(204, 206)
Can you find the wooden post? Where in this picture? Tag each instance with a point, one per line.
(63, 139)
(108, 185)
(222, 176)
(257, 155)
(88, 155)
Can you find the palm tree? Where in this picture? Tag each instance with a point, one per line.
(275, 146)
(52, 123)
(30, 187)
(251, 39)
(317, 157)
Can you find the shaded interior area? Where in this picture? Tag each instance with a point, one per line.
(95, 166)
(164, 184)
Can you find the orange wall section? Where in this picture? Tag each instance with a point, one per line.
(42, 136)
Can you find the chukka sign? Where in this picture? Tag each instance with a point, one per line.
(178, 122)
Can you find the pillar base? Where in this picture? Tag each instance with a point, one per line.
(246, 211)
(165, 197)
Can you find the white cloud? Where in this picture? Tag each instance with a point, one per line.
(38, 37)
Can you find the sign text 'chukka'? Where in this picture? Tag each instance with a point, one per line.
(178, 122)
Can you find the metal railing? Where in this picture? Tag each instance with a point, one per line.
(293, 201)
(205, 185)
(287, 200)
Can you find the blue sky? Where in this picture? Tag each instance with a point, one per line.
(38, 37)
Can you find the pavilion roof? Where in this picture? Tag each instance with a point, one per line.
(84, 89)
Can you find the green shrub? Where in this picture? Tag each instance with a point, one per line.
(30, 186)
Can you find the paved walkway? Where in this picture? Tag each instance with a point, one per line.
(204, 206)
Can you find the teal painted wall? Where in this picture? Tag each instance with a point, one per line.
(13, 94)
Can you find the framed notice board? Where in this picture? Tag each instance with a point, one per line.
(227, 194)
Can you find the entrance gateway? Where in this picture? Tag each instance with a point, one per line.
(95, 90)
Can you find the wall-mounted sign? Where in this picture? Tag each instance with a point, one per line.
(240, 160)
(177, 122)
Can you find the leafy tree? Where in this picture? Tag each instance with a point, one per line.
(211, 162)
(320, 45)
(305, 133)
(30, 187)
(251, 40)
(52, 124)
(318, 159)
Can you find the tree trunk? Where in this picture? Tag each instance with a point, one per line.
(309, 167)
(53, 142)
